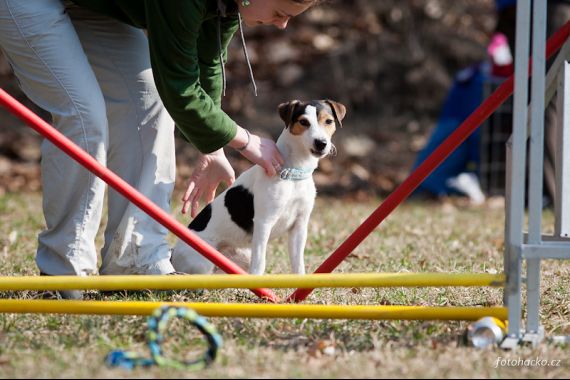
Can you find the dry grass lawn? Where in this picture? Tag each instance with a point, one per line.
(447, 237)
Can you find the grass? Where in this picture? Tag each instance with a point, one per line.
(446, 237)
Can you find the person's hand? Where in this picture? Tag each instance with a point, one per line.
(212, 169)
(260, 151)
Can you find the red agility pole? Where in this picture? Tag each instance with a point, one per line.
(430, 164)
(124, 188)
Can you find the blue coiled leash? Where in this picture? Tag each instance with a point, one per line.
(157, 324)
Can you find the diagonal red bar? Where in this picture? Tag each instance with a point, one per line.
(404, 190)
(124, 188)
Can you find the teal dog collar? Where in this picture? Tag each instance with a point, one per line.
(295, 174)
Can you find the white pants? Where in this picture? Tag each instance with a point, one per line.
(93, 75)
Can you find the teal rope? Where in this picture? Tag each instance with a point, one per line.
(157, 324)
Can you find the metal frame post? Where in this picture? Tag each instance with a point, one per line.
(536, 166)
(517, 174)
(534, 246)
(562, 203)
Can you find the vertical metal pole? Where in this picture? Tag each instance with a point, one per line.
(536, 168)
(562, 203)
(515, 202)
(508, 204)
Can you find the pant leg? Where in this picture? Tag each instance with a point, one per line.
(141, 142)
(41, 45)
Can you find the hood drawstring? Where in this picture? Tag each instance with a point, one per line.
(222, 13)
(247, 56)
(220, 51)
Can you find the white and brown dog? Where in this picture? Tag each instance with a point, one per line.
(257, 208)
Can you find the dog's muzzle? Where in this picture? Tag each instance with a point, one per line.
(319, 147)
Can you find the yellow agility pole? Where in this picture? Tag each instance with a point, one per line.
(257, 310)
(310, 281)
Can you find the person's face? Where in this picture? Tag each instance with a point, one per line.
(270, 12)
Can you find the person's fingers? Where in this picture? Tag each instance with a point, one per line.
(195, 207)
(186, 197)
(277, 165)
(195, 203)
(189, 190)
(210, 195)
(185, 207)
(269, 169)
(279, 157)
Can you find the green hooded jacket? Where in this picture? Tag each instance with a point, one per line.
(187, 40)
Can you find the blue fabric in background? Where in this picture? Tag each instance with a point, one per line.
(463, 98)
(502, 4)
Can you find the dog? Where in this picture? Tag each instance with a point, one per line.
(256, 208)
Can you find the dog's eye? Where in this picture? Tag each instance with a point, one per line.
(305, 123)
(329, 121)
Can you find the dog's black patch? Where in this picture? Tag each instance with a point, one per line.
(300, 109)
(201, 221)
(239, 202)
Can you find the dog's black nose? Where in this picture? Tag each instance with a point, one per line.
(320, 145)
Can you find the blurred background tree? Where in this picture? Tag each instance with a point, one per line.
(390, 62)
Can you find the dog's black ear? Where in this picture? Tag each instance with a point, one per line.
(339, 110)
(286, 111)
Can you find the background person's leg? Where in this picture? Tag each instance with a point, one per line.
(50, 64)
(141, 142)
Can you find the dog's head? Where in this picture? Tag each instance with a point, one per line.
(313, 123)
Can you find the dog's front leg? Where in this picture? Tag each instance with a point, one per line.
(259, 242)
(297, 241)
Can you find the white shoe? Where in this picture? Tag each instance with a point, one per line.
(468, 184)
